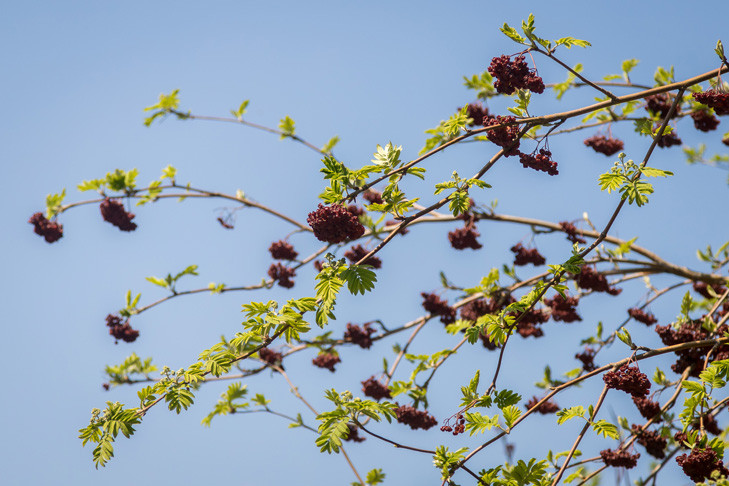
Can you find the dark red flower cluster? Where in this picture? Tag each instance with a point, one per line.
(372, 196)
(505, 137)
(590, 279)
(357, 252)
(700, 463)
(334, 224)
(486, 341)
(710, 424)
(564, 310)
(648, 408)
(105, 386)
(512, 75)
(714, 99)
(694, 357)
(282, 274)
(353, 435)
(269, 356)
(527, 329)
(374, 389)
(704, 121)
(603, 145)
(619, 458)
(641, 316)
(661, 104)
(479, 307)
(318, 265)
(477, 112)
(437, 307)
(326, 360)
(702, 288)
(416, 419)
(459, 428)
(571, 232)
(654, 444)
(465, 237)
(356, 210)
(113, 212)
(281, 250)
(680, 438)
(542, 162)
(545, 408)
(50, 230)
(361, 336)
(725, 140)
(588, 359)
(121, 330)
(669, 140)
(628, 379)
(524, 256)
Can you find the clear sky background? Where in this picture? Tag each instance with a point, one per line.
(76, 76)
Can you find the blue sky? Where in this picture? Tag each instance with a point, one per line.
(77, 76)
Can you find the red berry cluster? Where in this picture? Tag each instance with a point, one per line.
(113, 212)
(372, 196)
(714, 99)
(661, 104)
(641, 316)
(700, 463)
(357, 252)
(588, 359)
(465, 237)
(694, 357)
(334, 224)
(545, 408)
(704, 121)
(571, 232)
(50, 230)
(437, 307)
(669, 140)
(353, 435)
(603, 145)
(512, 75)
(564, 309)
(281, 250)
(628, 379)
(648, 408)
(269, 356)
(121, 330)
(374, 389)
(361, 336)
(477, 112)
(542, 162)
(654, 444)
(590, 279)
(282, 274)
(505, 137)
(459, 428)
(416, 419)
(524, 256)
(326, 360)
(618, 458)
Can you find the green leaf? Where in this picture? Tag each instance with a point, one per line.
(287, 127)
(157, 281)
(360, 279)
(241, 110)
(570, 413)
(511, 413)
(330, 144)
(169, 172)
(606, 429)
(512, 34)
(92, 185)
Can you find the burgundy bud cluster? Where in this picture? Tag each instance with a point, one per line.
(702, 288)
(641, 316)
(588, 359)
(545, 408)
(541, 162)
(459, 428)
(512, 75)
(618, 458)
(105, 386)
(50, 230)
(628, 379)
(281, 250)
(564, 309)
(334, 224)
(694, 357)
(121, 330)
(604, 145)
(353, 435)
(486, 341)
(318, 265)
(661, 104)
(357, 252)
(571, 232)
(372, 196)
(714, 99)
(524, 256)
(269, 356)
(477, 112)
(282, 274)
(372, 388)
(590, 279)
(710, 424)
(704, 121)
(465, 237)
(505, 137)
(361, 336)
(356, 210)
(437, 307)
(326, 360)
(669, 140)
(416, 419)
(648, 408)
(113, 212)
(700, 463)
(654, 444)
